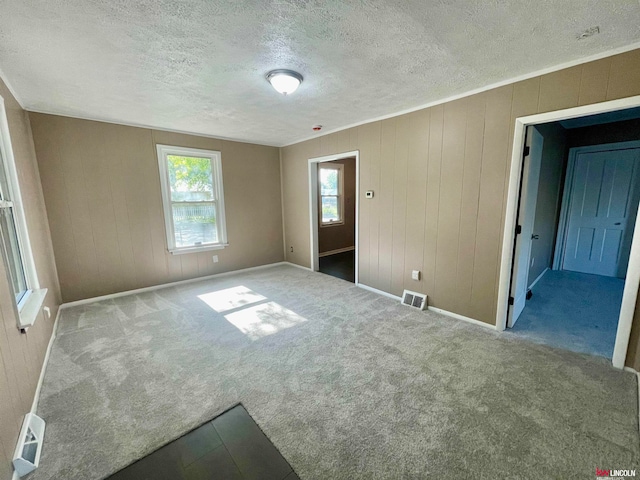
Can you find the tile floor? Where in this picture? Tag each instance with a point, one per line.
(340, 265)
(231, 446)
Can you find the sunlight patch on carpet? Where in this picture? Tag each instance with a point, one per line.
(264, 319)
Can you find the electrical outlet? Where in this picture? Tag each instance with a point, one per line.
(415, 275)
(291, 249)
(215, 259)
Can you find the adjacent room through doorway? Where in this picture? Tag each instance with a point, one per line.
(578, 206)
(336, 218)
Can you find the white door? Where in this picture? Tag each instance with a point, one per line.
(526, 218)
(602, 211)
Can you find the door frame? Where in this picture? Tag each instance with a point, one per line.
(313, 205)
(632, 281)
(563, 222)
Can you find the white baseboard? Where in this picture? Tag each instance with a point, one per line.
(336, 251)
(461, 317)
(54, 331)
(166, 285)
(379, 292)
(45, 362)
(433, 309)
(539, 277)
(291, 264)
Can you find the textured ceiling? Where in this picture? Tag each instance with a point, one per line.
(199, 65)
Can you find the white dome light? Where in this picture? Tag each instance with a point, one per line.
(284, 81)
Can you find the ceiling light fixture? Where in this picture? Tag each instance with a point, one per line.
(284, 81)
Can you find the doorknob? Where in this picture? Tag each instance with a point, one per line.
(535, 237)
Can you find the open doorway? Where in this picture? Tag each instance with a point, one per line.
(571, 284)
(333, 182)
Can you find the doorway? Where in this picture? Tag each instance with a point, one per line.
(333, 214)
(567, 267)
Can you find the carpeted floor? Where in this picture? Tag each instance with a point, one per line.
(347, 384)
(573, 310)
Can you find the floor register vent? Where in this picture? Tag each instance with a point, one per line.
(29, 448)
(414, 299)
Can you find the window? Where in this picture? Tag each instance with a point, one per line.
(10, 244)
(15, 249)
(193, 199)
(331, 178)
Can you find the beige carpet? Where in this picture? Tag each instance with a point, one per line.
(346, 383)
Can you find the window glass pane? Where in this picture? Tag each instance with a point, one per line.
(328, 181)
(194, 223)
(330, 209)
(12, 252)
(4, 189)
(190, 179)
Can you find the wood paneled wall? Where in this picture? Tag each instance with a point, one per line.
(440, 177)
(22, 355)
(102, 190)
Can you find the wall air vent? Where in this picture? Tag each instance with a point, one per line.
(414, 299)
(29, 447)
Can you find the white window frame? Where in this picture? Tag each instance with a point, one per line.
(216, 172)
(28, 308)
(340, 168)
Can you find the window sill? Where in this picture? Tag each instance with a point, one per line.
(31, 308)
(204, 248)
(332, 224)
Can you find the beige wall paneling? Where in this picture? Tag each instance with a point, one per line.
(296, 200)
(369, 145)
(384, 198)
(432, 207)
(594, 82)
(102, 180)
(374, 217)
(490, 204)
(398, 224)
(624, 76)
(472, 170)
(453, 143)
(560, 90)
(416, 199)
(21, 355)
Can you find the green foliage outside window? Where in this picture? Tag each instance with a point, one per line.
(190, 174)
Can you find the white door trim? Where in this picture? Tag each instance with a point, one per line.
(558, 252)
(633, 273)
(313, 204)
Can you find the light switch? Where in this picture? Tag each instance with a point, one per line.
(415, 275)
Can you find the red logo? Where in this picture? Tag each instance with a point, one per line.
(602, 473)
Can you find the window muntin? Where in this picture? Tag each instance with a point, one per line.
(331, 179)
(193, 198)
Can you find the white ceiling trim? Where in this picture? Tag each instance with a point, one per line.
(526, 76)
